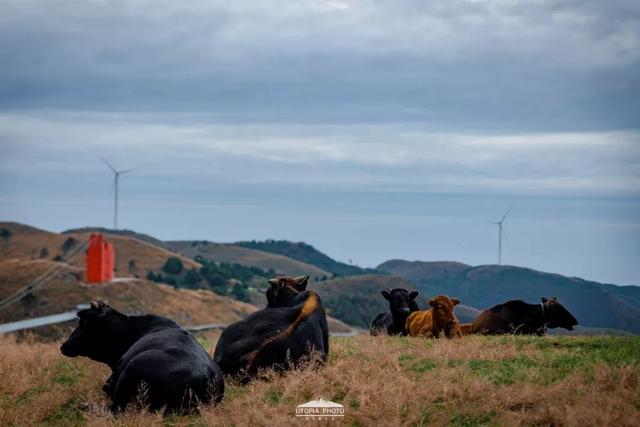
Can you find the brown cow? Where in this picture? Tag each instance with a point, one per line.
(439, 318)
(465, 328)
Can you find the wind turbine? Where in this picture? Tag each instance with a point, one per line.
(499, 224)
(116, 178)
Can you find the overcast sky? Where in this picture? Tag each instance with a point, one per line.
(370, 129)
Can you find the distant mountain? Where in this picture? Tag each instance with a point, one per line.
(594, 304)
(357, 299)
(307, 254)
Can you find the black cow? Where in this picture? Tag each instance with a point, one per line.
(149, 351)
(518, 317)
(401, 304)
(287, 331)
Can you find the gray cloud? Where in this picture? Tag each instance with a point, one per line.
(524, 66)
(361, 156)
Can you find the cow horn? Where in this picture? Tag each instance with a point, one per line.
(274, 281)
(301, 279)
(96, 304)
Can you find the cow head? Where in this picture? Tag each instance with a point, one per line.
(444, 318)
(401, 301)
(99, 334)
(283, 290)
(556, 316)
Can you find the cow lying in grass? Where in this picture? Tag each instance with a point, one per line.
(518, 317)
(290, 329)
(439, 318)
(149, 351)
(401, 304)
(465, 328)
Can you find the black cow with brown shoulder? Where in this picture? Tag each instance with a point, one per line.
(146, 350)
(290, 329)
(518, 317)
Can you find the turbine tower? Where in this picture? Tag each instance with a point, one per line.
(116, 177)
(499, 224)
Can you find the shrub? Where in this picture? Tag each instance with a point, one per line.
(68, 244)
(191, 280)
(5, 233)
(173, 265)
(241, 292)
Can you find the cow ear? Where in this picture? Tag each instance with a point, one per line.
(433, 302)
(413, 295)
(455, 301)
(274, 281)
(97, 305)
(386, 294)
(301, 283)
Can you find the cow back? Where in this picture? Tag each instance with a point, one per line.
(273, 337)
(420, 323)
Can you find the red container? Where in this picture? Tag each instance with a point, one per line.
(100, 260)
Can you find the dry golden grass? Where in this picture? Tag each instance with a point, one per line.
(381, 381)
(63, 292)
(27, 243)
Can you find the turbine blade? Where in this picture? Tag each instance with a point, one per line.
(505, 215)
(108, 165)
(122, 172)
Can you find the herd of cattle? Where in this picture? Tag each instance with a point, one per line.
(155, 354)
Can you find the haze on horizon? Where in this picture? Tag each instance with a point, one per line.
(371, 131)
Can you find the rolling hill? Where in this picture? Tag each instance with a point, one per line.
(134, 257)
(27, 252)
(354, 299)
(308, 254)
(65, 291)
(224, 252)
(594, 304)
(124, 233)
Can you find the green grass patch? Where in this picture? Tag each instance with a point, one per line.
(613, 351)
(427, 412)
(65, 373)
(504, 371)
(409, 362)
(272, 396)
(67, 414)
(26, 397)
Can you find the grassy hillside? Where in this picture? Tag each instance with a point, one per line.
(592, 303)
(218, 252)
(125, 233)
(305, 253)
(133, 257)
(357, 299)
(471, 381)
(64, 292)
